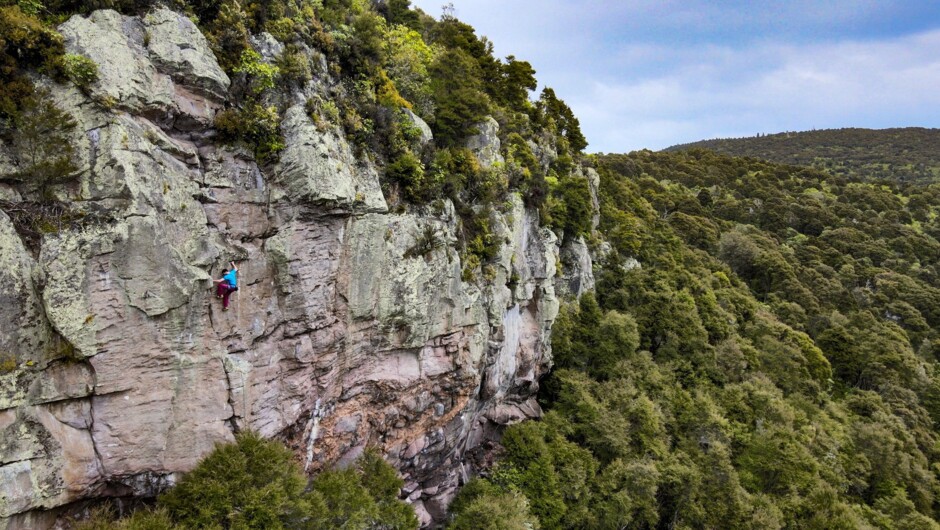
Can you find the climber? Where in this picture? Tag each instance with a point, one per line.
(227, 285)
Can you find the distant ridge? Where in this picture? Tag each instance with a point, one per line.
(911, 153)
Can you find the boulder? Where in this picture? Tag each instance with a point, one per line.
(160, 66)
(485, 143)
(320, 167)
(177, 47)
(425, 135)
(267, 46)
(126, 76)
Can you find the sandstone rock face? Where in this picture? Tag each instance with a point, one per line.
(577, 269)
(320, 167)
(349, 329)
(544, 150)
(160, 66)
(267, 46)
(485, 144)
(177, 47)
(22, 331)
(594, 183)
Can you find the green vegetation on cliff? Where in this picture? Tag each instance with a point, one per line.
(773, 363)
(379, 67)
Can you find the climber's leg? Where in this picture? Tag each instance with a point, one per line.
(225, 294)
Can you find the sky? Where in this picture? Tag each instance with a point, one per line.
(648, 74)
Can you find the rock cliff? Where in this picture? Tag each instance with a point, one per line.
(125, 371)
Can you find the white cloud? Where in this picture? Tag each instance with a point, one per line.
(711, 94)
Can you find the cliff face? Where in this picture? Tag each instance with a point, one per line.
(342, 335)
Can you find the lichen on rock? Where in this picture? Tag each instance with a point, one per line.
(485, 143)
(320, 167)
(159, 66)
(177, 46)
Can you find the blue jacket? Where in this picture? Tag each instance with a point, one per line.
(231, 277)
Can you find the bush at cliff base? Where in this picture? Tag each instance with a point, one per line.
(255, 483)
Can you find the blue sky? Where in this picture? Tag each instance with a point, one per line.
(650, 74)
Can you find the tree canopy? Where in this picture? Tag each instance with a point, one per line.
(255, 483)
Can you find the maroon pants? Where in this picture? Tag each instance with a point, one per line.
(224, 290)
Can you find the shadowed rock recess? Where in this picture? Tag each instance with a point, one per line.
(127, 371)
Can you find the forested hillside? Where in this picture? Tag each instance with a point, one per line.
(911, 153)
(772, 363)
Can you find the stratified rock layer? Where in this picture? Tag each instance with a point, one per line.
(344, 332)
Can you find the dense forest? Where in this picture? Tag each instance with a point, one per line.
(910, 153)
(771, 364)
